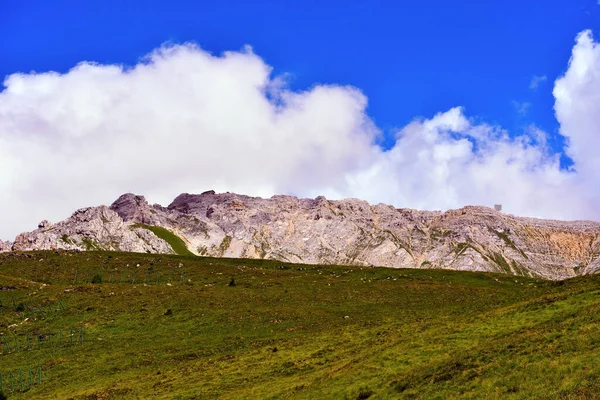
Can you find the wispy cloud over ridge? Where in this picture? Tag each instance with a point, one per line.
(521, 107)
(537, 80)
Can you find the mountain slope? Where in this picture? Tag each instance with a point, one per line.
(321, 231)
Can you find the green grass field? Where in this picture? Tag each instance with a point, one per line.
(290, 331)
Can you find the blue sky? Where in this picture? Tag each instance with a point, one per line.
(409, 58)
(467, 103)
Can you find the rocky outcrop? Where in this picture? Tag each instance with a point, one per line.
(134, 208)
(350, 232)
(97, 228)
(5, 246)
(44, 224)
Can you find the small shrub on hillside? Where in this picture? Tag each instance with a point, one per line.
(20, 307)
(231, 282)
(97, 279)
(364, 394)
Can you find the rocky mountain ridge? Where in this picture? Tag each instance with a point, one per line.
(321, 231)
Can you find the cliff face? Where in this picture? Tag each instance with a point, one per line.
(96, 228)
(321, 231)
(5, 246)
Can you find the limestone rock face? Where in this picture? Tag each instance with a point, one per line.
(134, 208)
(5, 246)
(349, 232)
(95, 228)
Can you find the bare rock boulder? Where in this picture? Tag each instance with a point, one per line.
(44, 224)
(131, 207)
(5, 246)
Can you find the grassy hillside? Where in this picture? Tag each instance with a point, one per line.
(176, 243)
(290, 331)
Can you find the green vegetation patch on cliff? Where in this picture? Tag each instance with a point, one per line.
(501, 262)
(225, 244)
(66, 239)
(508, 241)
(461, 247)
(176, 243)
(90, 244)
(399, 242)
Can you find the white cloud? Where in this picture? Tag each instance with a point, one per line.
(184, 120)
(521, 107)
(537, 80)
(577, 108)
(434, 166)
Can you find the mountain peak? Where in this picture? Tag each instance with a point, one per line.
(132, 207)
(321, 231)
